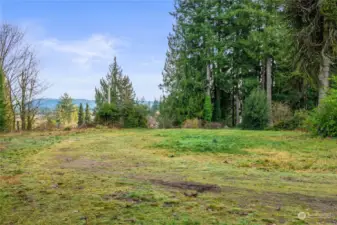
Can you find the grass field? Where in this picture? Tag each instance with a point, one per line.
(167, 177)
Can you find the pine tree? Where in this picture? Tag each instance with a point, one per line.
(224, 50)
(111, 81)
(87, 117)
(80, 116)
(122, 98)
(65, 110)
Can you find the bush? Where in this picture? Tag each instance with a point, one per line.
(49, 124)
(165, 121)
(101, 127)
(295, 122)
(67, 129)
(208, 109)
(281, 112)
(213, 125)
(152, 122)
(255, 111)
(108, 114)
(192, 123)
(323, 120)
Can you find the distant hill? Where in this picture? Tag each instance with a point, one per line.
(51, 103)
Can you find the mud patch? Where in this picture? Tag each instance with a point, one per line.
(184, 185)
(277, 199)
(323, 204)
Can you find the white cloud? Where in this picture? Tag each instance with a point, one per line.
(96, 48)
(76, 66)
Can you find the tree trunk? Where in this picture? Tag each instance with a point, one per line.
(233, 108)
(263, 75)
(30, 123)
(269, 89)
(237, 109)
(11, 106)
(324, 79)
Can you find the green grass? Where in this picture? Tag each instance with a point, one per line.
(167, 177)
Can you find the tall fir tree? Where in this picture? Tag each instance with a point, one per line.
(222, 50)
(122, 98)
(65, 110)
(87, 117)
(80, 116)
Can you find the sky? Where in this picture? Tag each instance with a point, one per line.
(76, 40)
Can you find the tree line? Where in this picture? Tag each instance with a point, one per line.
(220, 52)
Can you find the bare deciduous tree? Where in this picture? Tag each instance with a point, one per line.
(20, 66)
(27, 90)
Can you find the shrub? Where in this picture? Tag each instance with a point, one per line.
(100, 127)
(281, 112)
(50, 124)
(213, 125)
(255, 111)
(300, 118)
(297, 121)
(208, 109)
(152, 122)
(323, 120)
(192, 123)
(165, 121)
(108, 114)
(67, 129)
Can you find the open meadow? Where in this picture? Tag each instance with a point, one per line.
(141, 176)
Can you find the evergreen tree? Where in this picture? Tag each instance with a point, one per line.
(87, 117)
(315, 28)
(80, 116)
(123, 107)
(112, 81)
(6, 114)
(255, 114)
(155, 107)
(65, 110)
(222, 51)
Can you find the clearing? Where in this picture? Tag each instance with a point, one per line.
(167, 177)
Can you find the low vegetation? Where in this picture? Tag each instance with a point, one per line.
(185, 176)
